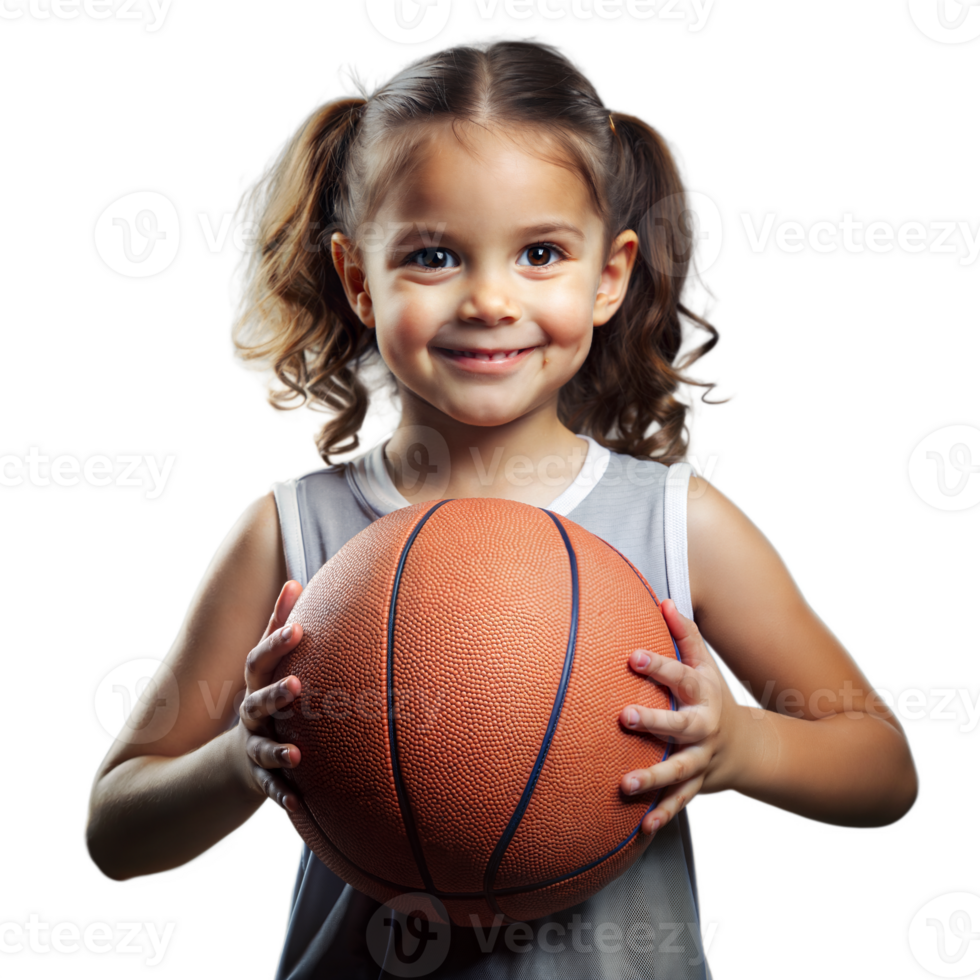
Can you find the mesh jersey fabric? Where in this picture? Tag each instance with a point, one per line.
(645, 924)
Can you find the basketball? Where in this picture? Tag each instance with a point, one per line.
(464, 664)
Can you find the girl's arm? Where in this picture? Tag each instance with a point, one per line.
(827, 747)
(158, 804)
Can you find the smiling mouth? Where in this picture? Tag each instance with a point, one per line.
(487, 355)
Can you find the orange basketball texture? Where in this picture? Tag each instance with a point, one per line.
(463, 668)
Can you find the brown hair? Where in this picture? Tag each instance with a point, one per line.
(331, 175)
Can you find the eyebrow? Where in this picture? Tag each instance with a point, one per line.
(413, 234)
(549, 227)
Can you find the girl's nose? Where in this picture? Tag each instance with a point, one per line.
(489, 300)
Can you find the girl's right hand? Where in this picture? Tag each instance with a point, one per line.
(263, 755)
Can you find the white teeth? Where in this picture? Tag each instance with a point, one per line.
(499, 356)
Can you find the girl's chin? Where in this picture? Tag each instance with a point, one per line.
(470, 404)
(484, 413)
(488, 420)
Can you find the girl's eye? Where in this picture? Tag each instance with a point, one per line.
(540, 254)
(433, 258)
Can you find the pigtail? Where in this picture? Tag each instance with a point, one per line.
(294, 315)
(628, 382)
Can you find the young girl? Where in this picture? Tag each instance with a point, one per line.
(486, 230)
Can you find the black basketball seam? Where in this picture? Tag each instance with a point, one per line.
(510, 890)
(408, 817)
(517, 889)
(493, 865)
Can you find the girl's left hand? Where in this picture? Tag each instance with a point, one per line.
(702, 722)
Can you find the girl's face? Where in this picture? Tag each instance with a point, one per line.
(484, 276)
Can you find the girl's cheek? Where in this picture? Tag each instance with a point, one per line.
(567, 323)
(402, 340)
(403, 320)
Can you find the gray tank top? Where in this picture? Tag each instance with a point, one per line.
(644, 925)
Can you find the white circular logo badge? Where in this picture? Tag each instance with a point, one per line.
(138, 235)
(408, 21)
(947, 21)
(145, 689)
(944, 468)
(409, 941)
(944, 935)
(684, 233)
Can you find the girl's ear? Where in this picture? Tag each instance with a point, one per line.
(615, 277)
(352, 277)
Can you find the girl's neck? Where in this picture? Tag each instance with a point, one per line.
(531, 459)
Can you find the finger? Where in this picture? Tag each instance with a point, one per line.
(677, 768)
(288, 595)
(685, 726)
(269, 754)
(263, 658)
(672, 804)
(268, 701)
(683, 680)
(685, 633)
(276, 788)
(690, 725)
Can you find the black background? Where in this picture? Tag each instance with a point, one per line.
(844, 363)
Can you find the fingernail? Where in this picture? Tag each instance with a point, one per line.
(656, 826)
(633, 785)
(282, 754)
(286, 632)
(632, 718)
(641, 659)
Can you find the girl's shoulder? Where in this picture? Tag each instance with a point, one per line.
(724, 546)
(745, 600)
